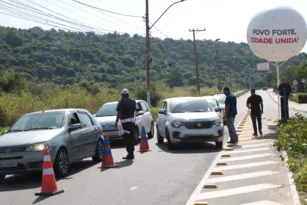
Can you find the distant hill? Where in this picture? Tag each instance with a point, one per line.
(68, 57)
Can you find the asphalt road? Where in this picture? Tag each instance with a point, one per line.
(157, 177)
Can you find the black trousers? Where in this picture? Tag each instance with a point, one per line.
(258, 119)
(129, 137)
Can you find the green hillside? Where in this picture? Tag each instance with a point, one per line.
(68, 58)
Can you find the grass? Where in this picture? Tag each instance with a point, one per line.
(30, 96)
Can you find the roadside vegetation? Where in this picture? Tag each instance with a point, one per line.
(292, 138)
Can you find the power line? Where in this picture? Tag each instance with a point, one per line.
(127, 15)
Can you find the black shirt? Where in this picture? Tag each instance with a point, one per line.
(255, 101)
(126, 106)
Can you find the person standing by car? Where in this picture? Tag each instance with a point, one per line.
(125, 113)
(255, 104)
(230, 114)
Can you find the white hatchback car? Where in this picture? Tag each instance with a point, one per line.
(189, 119)
(106, 117)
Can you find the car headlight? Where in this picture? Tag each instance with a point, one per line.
(177, 124)
(217, 122)
(37, 147)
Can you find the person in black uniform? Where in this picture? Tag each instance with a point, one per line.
(125, 113)
(254, 102)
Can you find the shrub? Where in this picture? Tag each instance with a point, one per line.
(154, 113)
(292, 137)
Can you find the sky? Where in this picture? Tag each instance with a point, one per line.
(224, 19)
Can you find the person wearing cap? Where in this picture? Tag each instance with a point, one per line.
(125, 113)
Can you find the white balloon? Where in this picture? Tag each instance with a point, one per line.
(277, 34)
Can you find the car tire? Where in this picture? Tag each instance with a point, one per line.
(219, 145)
(98, 151)
(2, 177)
(136, 135)
(61, 165)
(151, 134)
(160, 139)
(170, 145)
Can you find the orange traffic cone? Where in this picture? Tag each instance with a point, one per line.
(144, 147)
(49, 187)
(107, 159)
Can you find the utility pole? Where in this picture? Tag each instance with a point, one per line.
(218, 70)
(147, 54)
(196, 59)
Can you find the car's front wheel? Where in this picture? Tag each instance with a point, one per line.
(61, 164)
(98, 151)
(2, 176)
(136, 135)
(160, 139)
(170, 145)
(151, 134)
(219, 145)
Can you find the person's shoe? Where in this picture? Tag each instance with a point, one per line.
(129, 157)
(255, 135)
(261, 133)
(231, 142)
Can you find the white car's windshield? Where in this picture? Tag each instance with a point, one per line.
(39, 121)
(107, 110)
(199, 105)
(212, 102)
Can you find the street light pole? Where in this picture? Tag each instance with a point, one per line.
(148, 58)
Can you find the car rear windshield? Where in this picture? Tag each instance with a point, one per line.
(38, 121)
(107, 110)
(221, 99)
(200, 105)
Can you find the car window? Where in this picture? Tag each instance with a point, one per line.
(162, 104)
(212, 102)
(74, 119)
(138, 107)
(85, 119)
(144, 107)
(107, 110)
(183, 106)
(44, 120)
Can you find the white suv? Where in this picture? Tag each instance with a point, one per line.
(106, 117)
(189, 119)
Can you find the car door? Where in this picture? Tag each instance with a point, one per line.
(162, 119)
(146, 117)
(139, 118)
(89, 140)
(74, 142)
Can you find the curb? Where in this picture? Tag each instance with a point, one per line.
(294, 193)
(293, 109)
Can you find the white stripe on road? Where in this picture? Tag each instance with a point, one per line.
(256, 141)
(254, 145)
(48, 171)
(236, 191)
(248, 157)
(241, 166)
(263, 203)
(47, 158)
(242, 176)
(248, 150)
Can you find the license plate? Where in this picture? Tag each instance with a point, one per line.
(7, 164)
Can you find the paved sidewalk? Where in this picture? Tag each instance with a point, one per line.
(292, 105)
(249, 173)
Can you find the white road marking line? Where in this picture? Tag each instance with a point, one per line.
(241, 166)
(256, 141)
(254, 145)
(248, 150)
(236, 191)
(248, 157)
(203, 181)
(242, 176)
(263, 203)
(134, 188)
